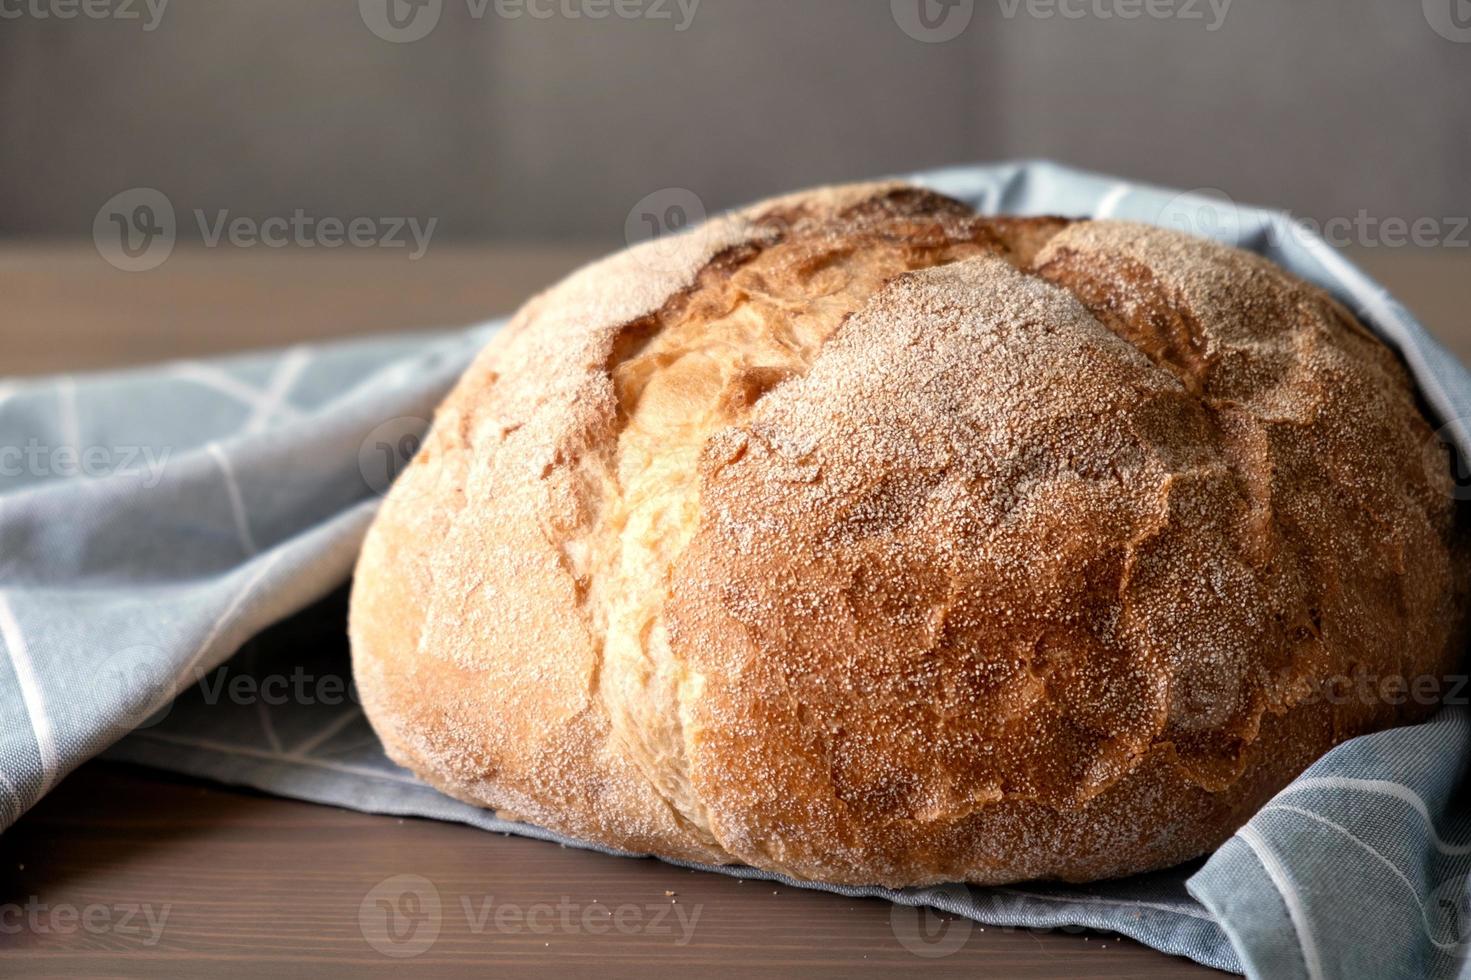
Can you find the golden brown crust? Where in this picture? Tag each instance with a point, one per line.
(862, 539)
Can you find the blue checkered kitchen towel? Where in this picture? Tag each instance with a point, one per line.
(153, 522)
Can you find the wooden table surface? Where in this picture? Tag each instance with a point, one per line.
(128, 872)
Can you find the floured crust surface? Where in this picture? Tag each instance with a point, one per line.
(859, 538)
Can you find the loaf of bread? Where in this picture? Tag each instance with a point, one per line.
(859, 538)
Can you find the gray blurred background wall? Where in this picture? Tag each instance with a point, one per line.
(512, 126)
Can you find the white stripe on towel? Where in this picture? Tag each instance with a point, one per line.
(15, 808)
(246, 752)
(191, 669)
(237, 502)
(1383, 787)
(1311, 961)
(341, 722)
(66, 412)
(273, 401)
(30, 693)
(1110, 201)
(1373, 852)
(1115, 902)
(212, 377)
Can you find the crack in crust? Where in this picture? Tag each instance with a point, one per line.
(860, 538)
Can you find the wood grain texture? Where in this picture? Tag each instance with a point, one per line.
(255, 885)
(65, 309)
(247, 885)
